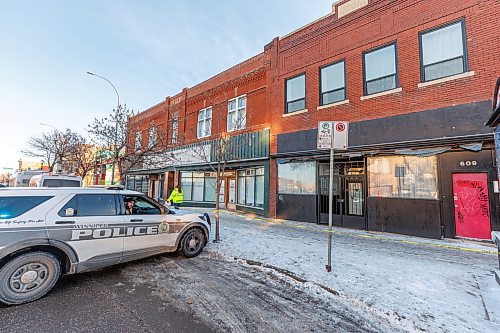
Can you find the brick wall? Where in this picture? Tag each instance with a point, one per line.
(381, 22)
(248, 78)
(362, 25)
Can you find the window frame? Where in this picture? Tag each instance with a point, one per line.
(138, 141)
(464, 45)
(254, 177)
(175, 130)
(293, 101)
(321, 93)
(155, 132)
(204, 122)
(365, 82)
(237, 112)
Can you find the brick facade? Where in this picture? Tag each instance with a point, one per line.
(247, 78)
(353, 27)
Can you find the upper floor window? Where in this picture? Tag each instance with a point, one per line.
(204, 122)
(175, 129)
(152, 137)
(296, 93)
(236, 113)
(443, 52)
(138, 143)
(380, 69)
(332, 78)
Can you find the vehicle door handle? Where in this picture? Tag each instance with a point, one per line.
(136, 220)
(65, 222)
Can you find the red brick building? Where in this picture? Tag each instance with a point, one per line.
(186, 128)
(413, 78)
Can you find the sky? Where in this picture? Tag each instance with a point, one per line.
(148, 49)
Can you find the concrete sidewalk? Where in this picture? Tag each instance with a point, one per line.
(447, 243)
(418, 284)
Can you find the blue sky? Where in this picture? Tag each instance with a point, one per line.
(149, 49)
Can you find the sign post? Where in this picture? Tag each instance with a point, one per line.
(332, 135)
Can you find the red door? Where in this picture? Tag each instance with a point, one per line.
(472, 206)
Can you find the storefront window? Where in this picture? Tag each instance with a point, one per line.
(210, 188)
(138, 183)
(403, 177)
(198, 186)
(187, 185)
(297, 178)
(251, 187)
(241, 187)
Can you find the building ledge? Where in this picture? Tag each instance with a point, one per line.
(293, 113)
(321, 107)
(383, 93)
(446, 79)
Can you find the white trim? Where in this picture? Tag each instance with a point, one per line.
(383, 93)
(446, 79)
(237, 111)
(326, 106)
(294, 113)
(204, 122)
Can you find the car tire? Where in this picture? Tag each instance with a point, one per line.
(28, 277)
(192, 243)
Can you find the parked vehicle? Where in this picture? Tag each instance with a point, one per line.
(22, 178)
(55, 180)
(46, 232)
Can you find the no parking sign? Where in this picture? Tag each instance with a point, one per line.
(333, 134)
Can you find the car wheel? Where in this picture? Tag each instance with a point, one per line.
(192, 243)
(28, 277)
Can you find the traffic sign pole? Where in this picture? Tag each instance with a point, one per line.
(332, 135)
(330, 211)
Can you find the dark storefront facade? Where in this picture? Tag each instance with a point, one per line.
(427, 174)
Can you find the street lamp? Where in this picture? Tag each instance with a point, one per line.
(115, 153)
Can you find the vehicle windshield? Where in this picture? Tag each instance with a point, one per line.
(61, 183)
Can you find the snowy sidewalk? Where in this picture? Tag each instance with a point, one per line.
(420, 284)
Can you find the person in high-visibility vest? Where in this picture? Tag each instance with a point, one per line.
(176, 197)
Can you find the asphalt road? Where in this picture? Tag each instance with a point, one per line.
(101, 301)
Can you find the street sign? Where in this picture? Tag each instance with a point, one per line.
(325, 134)
(333, 132)
(340, 135)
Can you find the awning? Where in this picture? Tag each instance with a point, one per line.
(422, 152)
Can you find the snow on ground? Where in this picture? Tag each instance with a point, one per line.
(232, 296)
(420, 284)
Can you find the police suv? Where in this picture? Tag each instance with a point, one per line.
(46, 232)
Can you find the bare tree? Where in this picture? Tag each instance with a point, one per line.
(82, 156)
(114, 134)
(224, 149)
(53, 147)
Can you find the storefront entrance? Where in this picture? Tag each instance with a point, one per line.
(472, 207)
(348, 194)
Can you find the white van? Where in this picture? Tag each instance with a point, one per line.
(55, 180)
(22, 178)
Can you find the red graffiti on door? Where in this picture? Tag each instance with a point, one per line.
(472, 206)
